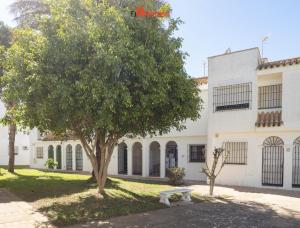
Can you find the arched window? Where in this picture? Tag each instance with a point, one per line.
(50, 152)
(273, 141)
(154, 159)
(79, 157)
(272, 161)
(171, 155)
(122, 158)
(137, 159)
(69, 157)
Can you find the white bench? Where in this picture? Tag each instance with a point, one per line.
(164, 195)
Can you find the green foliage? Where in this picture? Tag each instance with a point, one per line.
(89, 68)
(92, 66)
(51, 164)
(175, 175)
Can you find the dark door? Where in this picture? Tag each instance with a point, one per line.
(58, 157)
(272, 165)
(296, 166)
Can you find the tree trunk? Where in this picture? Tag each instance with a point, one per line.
(211, 186)
(98, 156)
(12, 128)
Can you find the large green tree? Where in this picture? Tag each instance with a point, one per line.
(91, 69)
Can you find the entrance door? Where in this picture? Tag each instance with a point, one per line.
(154, 161)
(171, 155)
(122, 158)
(272, 161)
(137, 159)
(296, 163)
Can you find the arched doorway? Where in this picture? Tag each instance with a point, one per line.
(122, 158)
(137, 159)
(78, 157)
(171, 155)
(272, 161)
(69, 157)
(154, 159)
(50, 152)
(296, 163)
(58, 156)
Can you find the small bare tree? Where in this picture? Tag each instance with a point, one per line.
(212, 172)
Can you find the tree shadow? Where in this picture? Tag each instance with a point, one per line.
(120, 201)
(214, 213)
(33, 188)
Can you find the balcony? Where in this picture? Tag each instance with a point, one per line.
(269, 106)
(269, 119)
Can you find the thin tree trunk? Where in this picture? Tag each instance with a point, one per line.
(12, 128)
(211, 186)
(98, 156)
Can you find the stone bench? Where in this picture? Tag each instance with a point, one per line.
(165, 195)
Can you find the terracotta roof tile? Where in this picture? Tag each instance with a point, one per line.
(201, 80)
(269, 119)
(284, 62)
(49, 136)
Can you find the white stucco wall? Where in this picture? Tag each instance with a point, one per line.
(21, 141)
(239, 125)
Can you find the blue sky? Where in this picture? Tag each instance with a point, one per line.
(212, 26)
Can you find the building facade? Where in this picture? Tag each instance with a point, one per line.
(251, 108)
(22, 144)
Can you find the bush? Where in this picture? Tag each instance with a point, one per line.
(176, 175)
(51, 164)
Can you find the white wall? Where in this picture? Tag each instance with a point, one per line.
(239, 125)
(21, 141)
(193, 170)
(251, 173)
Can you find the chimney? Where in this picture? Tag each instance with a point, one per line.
(264, 60)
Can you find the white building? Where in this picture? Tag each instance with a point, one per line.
(22, 144)
(251, 107)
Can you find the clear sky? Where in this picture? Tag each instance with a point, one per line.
(212, 26)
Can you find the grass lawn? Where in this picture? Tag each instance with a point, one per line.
(71, 198)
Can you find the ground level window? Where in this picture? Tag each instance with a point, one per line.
(197, 153)
(39, 152)
(237, 153)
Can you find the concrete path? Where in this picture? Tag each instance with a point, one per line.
(247, 207)
(17, 213)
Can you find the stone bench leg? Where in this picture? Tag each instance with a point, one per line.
(164, 200)
(186, 196)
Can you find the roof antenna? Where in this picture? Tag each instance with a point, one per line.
(204, 67)
(263, 40)
(228, 50)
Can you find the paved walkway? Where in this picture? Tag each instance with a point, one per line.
(248, 207)
(17, 213)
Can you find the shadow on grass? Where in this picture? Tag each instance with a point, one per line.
(32, 188)
(117, 201)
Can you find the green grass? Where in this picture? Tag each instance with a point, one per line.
(71, 198)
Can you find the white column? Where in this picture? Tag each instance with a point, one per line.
(146, 150)
(288, 167)
(162, 159)
(129, 158)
